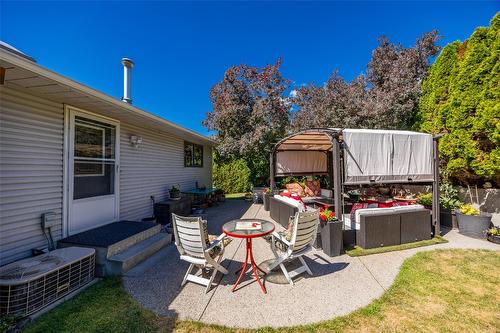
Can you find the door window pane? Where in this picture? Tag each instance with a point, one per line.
(93, 185)
(94, 158)
(94, 139)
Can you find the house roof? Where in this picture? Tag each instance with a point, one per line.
(24, 74)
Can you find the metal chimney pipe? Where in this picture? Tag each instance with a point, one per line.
(127, 84)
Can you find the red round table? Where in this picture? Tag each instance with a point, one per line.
(230, 229)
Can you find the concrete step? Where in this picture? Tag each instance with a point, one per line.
(125, 244)
(133, 255)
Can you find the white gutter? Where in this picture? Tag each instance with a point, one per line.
(19, 61)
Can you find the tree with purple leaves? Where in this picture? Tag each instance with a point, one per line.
(249, 115)
(385, 97)
(251, 111)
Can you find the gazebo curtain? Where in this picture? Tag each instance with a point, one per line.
(301, 162)
(387, 156)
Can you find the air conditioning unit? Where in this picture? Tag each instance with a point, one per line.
(28, 285)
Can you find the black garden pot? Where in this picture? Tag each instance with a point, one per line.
(448, 218)
(494, 239)
(265, 198)
(331, 238)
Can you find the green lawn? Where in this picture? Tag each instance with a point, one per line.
(358, 251)
(244, 195)
(440, 290)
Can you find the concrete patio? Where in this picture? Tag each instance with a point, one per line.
(339, 286)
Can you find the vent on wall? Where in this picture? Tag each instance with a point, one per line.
(28, 285)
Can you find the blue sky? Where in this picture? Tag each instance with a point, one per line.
(182, 48)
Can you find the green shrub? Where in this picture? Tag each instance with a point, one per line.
(449, 197)
(232, 176)
(461, 96)
(425, 199)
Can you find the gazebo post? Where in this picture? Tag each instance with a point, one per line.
(337, 195)
(435, 187)
(271, 171)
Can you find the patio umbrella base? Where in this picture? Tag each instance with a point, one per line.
(276, 276)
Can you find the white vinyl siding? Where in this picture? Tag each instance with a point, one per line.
(31, 171)
(152, 168)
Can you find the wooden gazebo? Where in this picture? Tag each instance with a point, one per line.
(360, 157)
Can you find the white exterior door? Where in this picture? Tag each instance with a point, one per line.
(93, 171)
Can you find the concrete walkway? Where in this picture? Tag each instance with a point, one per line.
(339, 286)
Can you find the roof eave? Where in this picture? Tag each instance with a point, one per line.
(19, 61)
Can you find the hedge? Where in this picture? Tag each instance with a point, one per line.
(232, 177)
(461, 97)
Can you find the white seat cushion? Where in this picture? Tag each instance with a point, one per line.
(372, 212)
(409, 208)
(383, 211)
(292, 202)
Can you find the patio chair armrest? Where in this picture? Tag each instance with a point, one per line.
(276, 235)
(217, 241)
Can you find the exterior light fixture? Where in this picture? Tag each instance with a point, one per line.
(135, 140)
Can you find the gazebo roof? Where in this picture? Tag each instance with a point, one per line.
(370, 155)
(318, 139)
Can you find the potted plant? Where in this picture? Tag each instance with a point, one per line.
(425, 199)
(472, 222)
(175, 192)
(493, 235)
(331, 232)
(448, 201)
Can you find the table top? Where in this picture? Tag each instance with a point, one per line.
(229, 229)
(208, 190)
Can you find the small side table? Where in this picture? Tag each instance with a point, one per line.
(229, 229)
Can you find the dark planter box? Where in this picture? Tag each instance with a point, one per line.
(265, 198)
(163, 210)
(349, 238)
(317, 242)
(331, 238)
(448, 218)
(474, 225)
